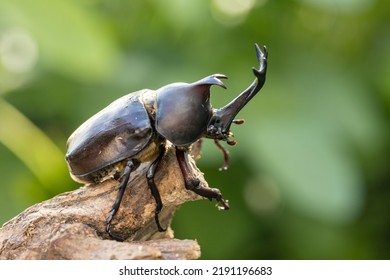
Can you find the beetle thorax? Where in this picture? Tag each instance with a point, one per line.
(183, 112)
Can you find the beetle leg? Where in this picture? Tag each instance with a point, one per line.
(130, 166)
(153, 188)
(226, 156)
(192, 183)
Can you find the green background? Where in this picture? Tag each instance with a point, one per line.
(310, 176)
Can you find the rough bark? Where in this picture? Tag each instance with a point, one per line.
(72, 225)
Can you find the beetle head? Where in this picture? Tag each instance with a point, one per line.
(184, 110)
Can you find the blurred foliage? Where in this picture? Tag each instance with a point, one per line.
(310, 177)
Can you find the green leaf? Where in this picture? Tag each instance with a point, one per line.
(31, 146)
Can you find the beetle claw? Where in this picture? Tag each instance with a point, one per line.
(157, 220)
(108, 228)
(223, 204)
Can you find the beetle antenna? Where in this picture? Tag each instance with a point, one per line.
(238, 121)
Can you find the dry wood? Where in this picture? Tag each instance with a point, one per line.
(72, 225)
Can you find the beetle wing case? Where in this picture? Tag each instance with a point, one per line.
(119, 131)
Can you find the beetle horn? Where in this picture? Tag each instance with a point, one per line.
(224, 116)
(212, 80)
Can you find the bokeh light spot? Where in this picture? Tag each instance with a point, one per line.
(18, 51)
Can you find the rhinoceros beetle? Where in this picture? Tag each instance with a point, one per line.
(136, 127)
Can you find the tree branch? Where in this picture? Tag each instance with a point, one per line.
(72, 225)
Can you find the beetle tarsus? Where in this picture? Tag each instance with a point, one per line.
(226, 155)
(153, 188)
(223, 204)
(130, 166)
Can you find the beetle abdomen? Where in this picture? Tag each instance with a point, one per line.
(115, 170)
(119, 131)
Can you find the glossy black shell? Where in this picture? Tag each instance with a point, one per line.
(119, 131)
(184, 110)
